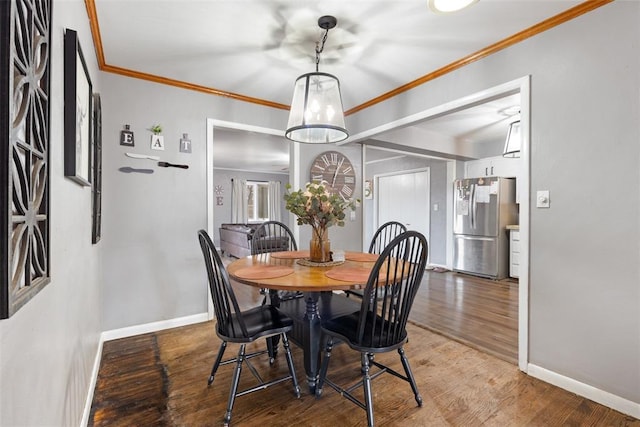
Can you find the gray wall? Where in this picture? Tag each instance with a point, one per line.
(153, 263)
(48, 348)
(223, 177)
(438, 181)
(585, 128)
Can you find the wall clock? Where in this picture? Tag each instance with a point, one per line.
(337, 171)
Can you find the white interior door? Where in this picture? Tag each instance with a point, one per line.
(404, 197)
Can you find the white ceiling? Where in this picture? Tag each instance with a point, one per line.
(257, 48)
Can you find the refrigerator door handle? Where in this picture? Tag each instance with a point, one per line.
(472, 208)
(475, 238)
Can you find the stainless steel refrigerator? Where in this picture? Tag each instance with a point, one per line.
(483, 207)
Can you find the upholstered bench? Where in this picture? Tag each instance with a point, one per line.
(236, 240)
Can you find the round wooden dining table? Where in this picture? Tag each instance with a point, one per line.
(291, 271)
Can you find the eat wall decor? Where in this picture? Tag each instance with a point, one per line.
(25, 53)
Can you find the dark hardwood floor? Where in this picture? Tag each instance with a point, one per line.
(479, 312)
(160, 379)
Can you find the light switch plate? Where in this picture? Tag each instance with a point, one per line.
(542, 199)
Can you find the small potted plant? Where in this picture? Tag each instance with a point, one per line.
(157, 140)
(156, 129)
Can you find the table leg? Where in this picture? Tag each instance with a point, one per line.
(272, 342)
(307, 332)
(311, 340)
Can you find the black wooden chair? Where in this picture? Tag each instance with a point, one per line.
(383, 235)
(242, 327)
(274, 236)
(380, 324)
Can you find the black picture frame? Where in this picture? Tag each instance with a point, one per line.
(96, 205)
(77, 112)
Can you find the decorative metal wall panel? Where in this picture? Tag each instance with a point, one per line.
(25, 46)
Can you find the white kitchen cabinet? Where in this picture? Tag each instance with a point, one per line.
(492, 166)
(514, 253)
(495, 166)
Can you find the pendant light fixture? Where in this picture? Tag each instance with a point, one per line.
(514, 141)
(448, 6)
(316, 114)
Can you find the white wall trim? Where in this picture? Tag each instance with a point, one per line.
(443, 109)
(585, 390)
(363, 179)
(386, 159)
(210, 197)
(431, 266)
(131, 331)
(402, 153)
(211, 124)
(451, 176)
(525, 211)
(253, 171)
(92, 385)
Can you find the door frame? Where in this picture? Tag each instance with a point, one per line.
(211, 125)
(523, 86)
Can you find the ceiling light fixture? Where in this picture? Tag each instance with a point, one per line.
(514, 141)
(316, 114)
(448, 6)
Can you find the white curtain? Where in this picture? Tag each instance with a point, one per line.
(239, 201)
(275, 201)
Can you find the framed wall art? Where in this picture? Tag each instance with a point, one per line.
(77, 112)
(96, 199)
(25, 52)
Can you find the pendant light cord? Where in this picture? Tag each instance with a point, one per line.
(319, 51)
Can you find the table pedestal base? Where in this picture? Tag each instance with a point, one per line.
(307, 314)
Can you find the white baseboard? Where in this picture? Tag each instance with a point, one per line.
(432, 266)
(600, 396)
(92, 384)
(130, 331)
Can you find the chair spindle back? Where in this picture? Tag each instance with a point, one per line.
(384, 235)
(225, 304)
(272, 236)
(391, 290)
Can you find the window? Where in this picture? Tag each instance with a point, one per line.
(257, 201)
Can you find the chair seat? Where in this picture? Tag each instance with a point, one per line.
(346, 328)
(260, 321)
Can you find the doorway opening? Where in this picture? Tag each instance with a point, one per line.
(410, 136)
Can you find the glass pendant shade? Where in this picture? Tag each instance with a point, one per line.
(514, 141)
(316, 114)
